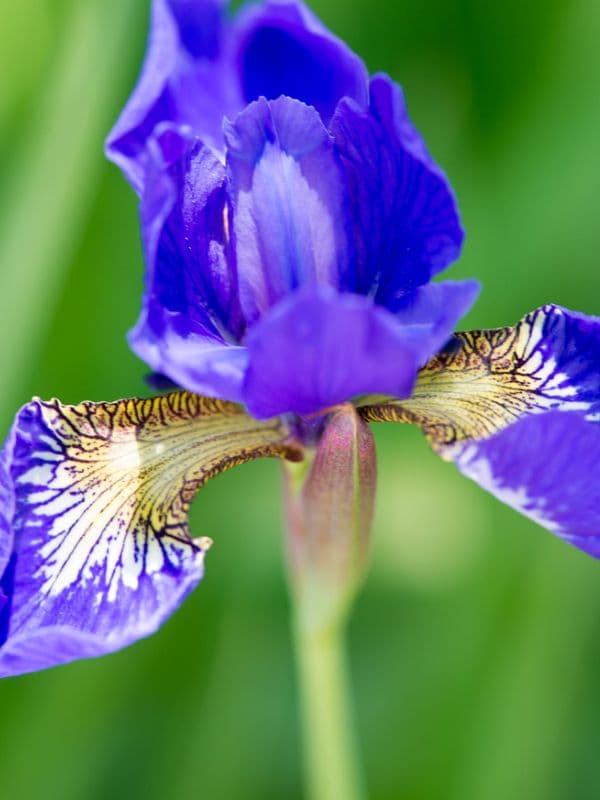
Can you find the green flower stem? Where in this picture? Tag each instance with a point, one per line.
(329, 501)
(330, 752)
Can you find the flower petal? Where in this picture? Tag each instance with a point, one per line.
(199, 25)
(485, 380)
(288, 214)
(6, 506)
(190, 317)
(200, 68)
(318, 348)
(285, 50)
(97, 500)
(518, 410)
(430, 313)
(405, 213)
(187, 79)
(193, 362)
(546, 467)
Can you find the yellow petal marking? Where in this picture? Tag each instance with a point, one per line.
(111, 483)
(482, 382)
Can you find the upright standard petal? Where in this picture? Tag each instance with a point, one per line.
(97, 500)
(405, 215)
(187, 79)
(518, 410)
(201, 67)
(190, 317)
(289, 219)
(318, 347)
(285, 50)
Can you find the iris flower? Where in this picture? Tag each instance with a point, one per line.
(292, 221)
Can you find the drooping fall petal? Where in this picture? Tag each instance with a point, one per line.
(518, 410)
(94, 512)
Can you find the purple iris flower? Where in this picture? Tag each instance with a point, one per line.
(292, 220)
(291, 215)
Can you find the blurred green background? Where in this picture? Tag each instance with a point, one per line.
(475, 644)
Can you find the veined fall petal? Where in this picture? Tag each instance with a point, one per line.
(94, 509)
(518, 411)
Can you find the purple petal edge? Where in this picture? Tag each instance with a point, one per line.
(186, 80)
(285, 50)
(545, 466)
(404, 211)
(7, 502)
(198, 364)
(176, 333)
(123, 146)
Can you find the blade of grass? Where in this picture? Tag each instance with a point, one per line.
(54, 181)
